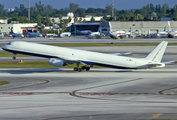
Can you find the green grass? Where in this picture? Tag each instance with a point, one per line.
(8, 54)
(36, 64)
(4, 82)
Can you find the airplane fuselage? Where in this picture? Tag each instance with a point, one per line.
(87, 57)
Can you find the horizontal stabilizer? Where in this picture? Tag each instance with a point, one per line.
(169, 62)
(155, 65)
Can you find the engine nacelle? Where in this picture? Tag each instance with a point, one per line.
(56, 62)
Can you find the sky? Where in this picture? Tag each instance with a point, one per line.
(118, 4)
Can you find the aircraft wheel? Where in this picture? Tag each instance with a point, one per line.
(13, 57)
(75, 69)
(79, 69)
(87, 68)
(83, 67)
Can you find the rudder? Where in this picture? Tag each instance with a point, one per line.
(157, 54)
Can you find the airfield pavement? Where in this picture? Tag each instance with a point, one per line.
(101, 93)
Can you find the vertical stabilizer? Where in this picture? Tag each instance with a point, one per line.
(157, 54)
(110, 26)
(169, 27)
(164, 29)
(12, 31)
(69, 30)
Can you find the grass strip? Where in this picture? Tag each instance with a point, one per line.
(9, 54)
(35, 64)
(4, 82)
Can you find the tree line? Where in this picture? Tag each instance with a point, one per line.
(40, 13)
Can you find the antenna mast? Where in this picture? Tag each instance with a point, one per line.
(112, 8)
(29, 9)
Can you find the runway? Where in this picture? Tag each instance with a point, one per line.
(84, 39)
(96, 94)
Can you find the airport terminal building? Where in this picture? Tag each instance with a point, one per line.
(139, 27)
(17, 28)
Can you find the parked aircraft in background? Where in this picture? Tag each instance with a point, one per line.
(117, 34)
(31, 34)
(51, 35)
(159, 34)
(65, 33)
(95, 34)
(83, 32)
(61, 56)
(162, 33)
(16, 34)
(129, 33)
(171, 33)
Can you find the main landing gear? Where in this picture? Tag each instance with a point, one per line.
(82, 68)
(13, 58)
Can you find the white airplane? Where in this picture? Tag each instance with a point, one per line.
(65, 33)
(95, 34)
(51, 35)
(117, 34)
(171, 33)
(84, 32)
(61, 56)
(129, 33)
(162, 33)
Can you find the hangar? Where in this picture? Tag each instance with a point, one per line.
(139, 27)
(81, 26)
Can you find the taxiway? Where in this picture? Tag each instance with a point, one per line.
(98, 94)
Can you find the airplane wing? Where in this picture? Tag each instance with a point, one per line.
(121, 54)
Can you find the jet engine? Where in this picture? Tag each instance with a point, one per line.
(56, 62)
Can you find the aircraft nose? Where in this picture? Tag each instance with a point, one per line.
(4, 47)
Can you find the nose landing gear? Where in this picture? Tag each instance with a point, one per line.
(13, 58)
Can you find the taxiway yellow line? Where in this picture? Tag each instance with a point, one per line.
(157, 115)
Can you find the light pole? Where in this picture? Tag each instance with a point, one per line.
(29, 9)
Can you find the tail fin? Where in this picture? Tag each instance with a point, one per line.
(69, 29)
(169, 27)
(110, 26)
(12, 31)
(98, 29)
(164, 28)
(157, 54)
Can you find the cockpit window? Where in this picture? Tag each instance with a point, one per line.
(9, 43)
